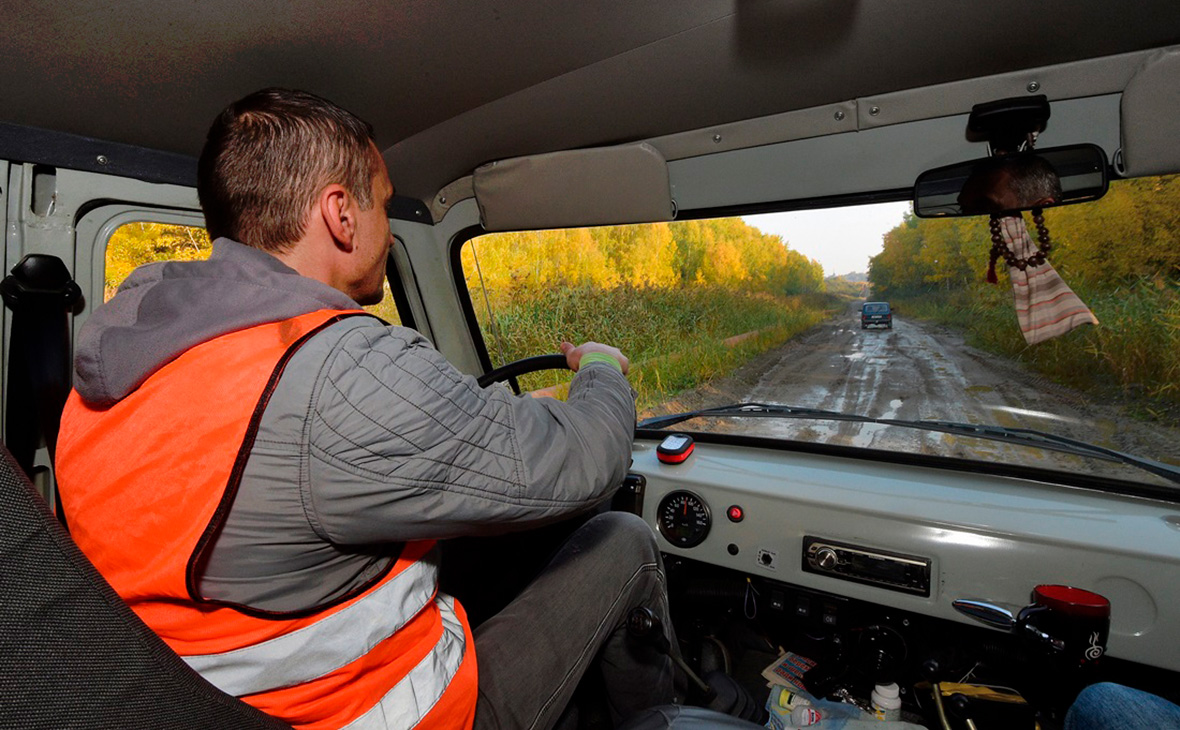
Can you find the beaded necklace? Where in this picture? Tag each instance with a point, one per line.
(1000, 249)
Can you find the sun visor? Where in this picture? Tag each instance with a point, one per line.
(1151, 117)
(601, 186)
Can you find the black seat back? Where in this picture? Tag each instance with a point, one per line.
(72, 654)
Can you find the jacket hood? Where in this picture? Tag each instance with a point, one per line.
(165, 308)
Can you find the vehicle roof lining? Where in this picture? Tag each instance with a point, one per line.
(1088, 78)
(705, 150)
(586, 171)
(717, 173)
(75, 152)
(698, 79)
(709, 155)
(450, 85)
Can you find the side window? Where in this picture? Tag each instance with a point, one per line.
(139, 243)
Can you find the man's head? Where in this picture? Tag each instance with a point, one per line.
(282, 166)
(1035, 182)
(1005, 184)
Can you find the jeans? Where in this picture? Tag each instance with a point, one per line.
(1108, 706)
(532, 654)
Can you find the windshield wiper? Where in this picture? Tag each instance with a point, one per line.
(1050, 441)
(749, 410)
(1020, 436)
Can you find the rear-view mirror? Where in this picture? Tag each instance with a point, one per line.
(1013, 182)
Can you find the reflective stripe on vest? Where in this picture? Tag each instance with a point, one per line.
(325, 646)
(146, 484)
(413, 697)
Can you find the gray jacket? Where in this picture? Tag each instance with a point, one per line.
(370, 437)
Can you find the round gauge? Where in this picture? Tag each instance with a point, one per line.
(683, 519)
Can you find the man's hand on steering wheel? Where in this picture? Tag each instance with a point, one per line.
(573, 355)
(570, 357)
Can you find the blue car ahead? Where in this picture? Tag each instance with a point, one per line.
(876, 314)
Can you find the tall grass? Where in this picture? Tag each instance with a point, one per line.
(1135, 349)
(674, 337)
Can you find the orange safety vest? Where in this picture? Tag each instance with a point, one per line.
(146, 485)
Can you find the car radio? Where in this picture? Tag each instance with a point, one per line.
(893, 571)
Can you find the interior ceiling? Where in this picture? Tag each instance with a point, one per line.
(450, 84)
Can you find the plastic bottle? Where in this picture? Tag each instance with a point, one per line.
(886, 702)
(805, 715)
(781, 703)
(789, 699)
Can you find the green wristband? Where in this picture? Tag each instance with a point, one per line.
(592, 357)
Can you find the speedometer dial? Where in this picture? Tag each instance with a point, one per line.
(683, 519)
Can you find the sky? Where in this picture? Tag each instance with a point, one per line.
(841, 239)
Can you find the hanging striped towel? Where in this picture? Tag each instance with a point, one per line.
(1045, 306)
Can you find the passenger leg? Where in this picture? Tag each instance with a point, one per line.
(1107, 706)
(533, 653)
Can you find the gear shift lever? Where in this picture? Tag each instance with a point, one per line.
(644, 626)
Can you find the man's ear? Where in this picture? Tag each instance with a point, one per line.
(338, 210)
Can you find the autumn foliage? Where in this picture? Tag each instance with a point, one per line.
(135, 244)
(725, 253)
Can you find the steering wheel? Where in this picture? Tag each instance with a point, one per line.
(522, 367)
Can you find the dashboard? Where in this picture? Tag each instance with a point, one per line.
(917, 538)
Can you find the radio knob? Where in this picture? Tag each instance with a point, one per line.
(826, 558)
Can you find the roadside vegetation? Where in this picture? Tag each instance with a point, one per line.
(686, 302)
(1122, 257)
(675, 338)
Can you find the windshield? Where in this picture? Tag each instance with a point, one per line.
(778, 309)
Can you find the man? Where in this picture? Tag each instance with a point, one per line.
(261, 470)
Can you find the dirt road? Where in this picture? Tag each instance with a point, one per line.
(918, 371)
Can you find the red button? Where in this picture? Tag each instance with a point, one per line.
(736, 514)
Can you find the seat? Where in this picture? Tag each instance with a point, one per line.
(72, 654)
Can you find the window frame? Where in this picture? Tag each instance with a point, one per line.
(464, 294)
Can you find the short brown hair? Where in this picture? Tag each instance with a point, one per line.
(269, 154)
